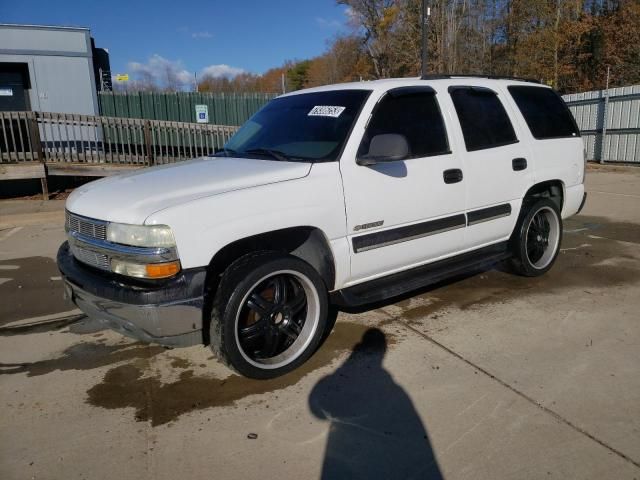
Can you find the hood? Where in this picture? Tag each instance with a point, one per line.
(132, 197)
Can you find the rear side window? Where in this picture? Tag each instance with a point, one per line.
(414, 113)
(484, 121)
(545, 112)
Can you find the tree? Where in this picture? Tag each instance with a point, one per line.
(297, 74)
(377, 20)
(566, 43)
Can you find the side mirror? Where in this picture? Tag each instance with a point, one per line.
(389, 147)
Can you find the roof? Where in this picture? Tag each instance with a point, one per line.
(43, 27)
(435, 80)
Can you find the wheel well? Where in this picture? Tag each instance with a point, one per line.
(552, 189)
(307, 243)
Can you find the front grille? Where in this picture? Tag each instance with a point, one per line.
(94, 259)
(86, 226)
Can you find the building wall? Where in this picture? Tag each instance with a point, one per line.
(60, 66)
(25, 38)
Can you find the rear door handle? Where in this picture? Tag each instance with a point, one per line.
(519, 164)
(452, 176)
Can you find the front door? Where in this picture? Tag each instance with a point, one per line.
(406, 212)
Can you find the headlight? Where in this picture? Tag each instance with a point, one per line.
(141, 235)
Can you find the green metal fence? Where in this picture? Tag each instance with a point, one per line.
(224, 108)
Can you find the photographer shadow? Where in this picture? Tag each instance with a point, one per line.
(375, 431)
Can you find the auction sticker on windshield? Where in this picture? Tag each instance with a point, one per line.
(326, 111)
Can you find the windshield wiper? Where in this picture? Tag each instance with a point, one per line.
(224, 152)
(277, 154)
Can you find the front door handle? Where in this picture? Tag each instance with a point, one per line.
(452, 176)
(519, 164)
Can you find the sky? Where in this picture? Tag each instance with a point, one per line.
(219, 37)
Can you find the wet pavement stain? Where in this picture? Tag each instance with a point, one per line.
(133, 385)
(183, 363)
(160, 403)
(582, 263)
(31, 289)
(83, 356)
(621, 231)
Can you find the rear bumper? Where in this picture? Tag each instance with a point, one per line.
(168, 313)
(584, 200)
(574, 199)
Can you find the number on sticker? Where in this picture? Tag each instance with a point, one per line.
(326, 111)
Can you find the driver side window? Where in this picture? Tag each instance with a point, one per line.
(414, 113)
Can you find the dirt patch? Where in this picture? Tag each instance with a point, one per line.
(84, 356)
(609, 168)
(34, 288)
(591, 258)
(160, 403)
(57, 195)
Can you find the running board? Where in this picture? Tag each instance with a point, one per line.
(403, 282)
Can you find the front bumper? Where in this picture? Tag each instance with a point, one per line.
(168, 313)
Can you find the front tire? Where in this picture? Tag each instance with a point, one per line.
(269, 314)
(536, 240)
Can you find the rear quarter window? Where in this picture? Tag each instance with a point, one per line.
(546, 114)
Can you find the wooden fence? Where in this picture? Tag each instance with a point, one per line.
(34, 144)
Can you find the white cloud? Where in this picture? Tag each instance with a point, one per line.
(221, 70)
(161, 71)
(328, 23)
(351, 14)
(201, 35)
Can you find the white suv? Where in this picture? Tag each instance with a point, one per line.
(347, 195)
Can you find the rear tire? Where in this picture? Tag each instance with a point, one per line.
(269, 314)
(536, 240)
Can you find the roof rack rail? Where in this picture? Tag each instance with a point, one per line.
(441, 76)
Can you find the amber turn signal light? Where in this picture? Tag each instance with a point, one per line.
(162, 270)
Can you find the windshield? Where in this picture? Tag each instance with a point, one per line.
(304, 127)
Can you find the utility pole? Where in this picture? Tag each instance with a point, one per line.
(426, 13)
(284, 88)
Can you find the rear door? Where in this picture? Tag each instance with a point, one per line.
(408, 212)
(496, 165)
